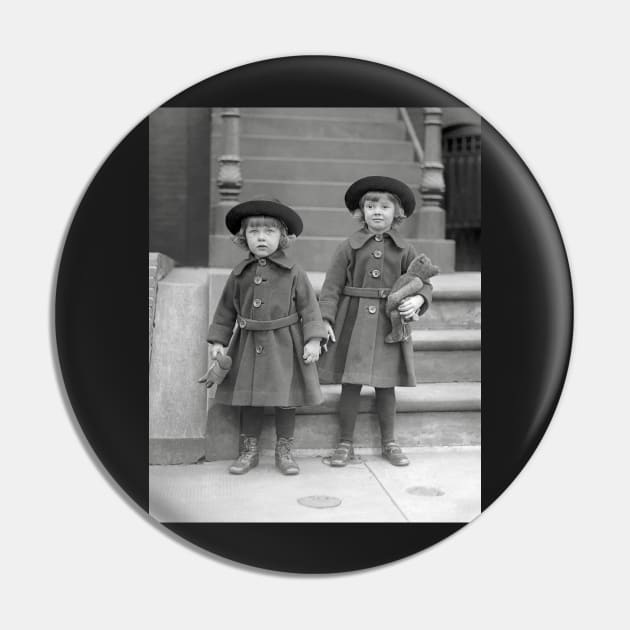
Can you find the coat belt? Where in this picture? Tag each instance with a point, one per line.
(366, 292)
(268, 324)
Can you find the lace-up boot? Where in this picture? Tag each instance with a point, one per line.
(284, 459)
(248, 456)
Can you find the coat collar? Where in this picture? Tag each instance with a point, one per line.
(278, 257)
(360, 238)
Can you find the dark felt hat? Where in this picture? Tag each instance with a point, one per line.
(264, 207)
(380, 184)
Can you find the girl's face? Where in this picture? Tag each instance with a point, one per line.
(262, 237)
(378, 210)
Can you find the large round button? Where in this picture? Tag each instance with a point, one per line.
(257, 280)
(378, 238)
(372, 309)
(257, 302)
(262, 262)
(259, 349)
(377, 253)
(242, 323)
(376, 273)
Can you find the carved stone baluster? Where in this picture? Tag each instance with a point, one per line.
(433, 175)
(229, 179)
(432, 220)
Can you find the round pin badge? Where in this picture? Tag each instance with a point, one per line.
(310, 398)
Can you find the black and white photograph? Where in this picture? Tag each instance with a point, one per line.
(315, 314)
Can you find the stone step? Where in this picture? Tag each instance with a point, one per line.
(324, 127)
(456, 301)
(296, 193)
(315, 253)
(430, 414)
(422, 397)
(448, 288)
(332, 148)
(319, 434)
(447, 355)
(350, 113)
(326, 169)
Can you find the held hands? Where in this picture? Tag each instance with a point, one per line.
(330, 336)
(410, 306)
(312, 350)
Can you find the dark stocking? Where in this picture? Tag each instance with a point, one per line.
(251, 421)
(285, 422)
(386, 410)
(348, 409)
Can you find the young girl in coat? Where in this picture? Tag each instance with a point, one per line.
(278, 332)
(352, 303)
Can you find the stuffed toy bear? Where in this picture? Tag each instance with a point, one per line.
(410, 283)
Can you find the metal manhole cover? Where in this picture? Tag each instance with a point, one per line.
(425, 491)
(319, 501)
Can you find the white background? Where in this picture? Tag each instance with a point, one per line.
(552, 77)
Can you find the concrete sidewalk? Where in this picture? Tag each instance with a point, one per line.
(440, 485)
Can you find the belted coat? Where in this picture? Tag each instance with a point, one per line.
(360, 354)
(267, 365)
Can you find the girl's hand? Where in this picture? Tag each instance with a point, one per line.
(216, 349)
(410, 306)
(311, 351)
(330, 332)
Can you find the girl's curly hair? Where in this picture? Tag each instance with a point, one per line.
(375, 195)
(256, 221)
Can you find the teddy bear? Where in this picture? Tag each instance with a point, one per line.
(410, 283)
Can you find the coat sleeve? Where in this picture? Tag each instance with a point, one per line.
(308, 309)
(427, 288)
(334, 283)
(220, 331)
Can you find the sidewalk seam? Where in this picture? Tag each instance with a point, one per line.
(380, 483)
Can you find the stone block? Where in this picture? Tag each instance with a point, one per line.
(177, 403)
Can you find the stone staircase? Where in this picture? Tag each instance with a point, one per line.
(307, 158)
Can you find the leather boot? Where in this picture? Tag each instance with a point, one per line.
(342, 454)
(248, 457)
(284, 459)
(394, 455)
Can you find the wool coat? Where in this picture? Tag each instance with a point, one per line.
(267, 365)
(360, 354)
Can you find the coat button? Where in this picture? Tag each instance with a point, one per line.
(262, 262)
(378, 238)
(377, 253)
(257, 280)
(371, 310)
(242, 323)
(376, 273)
(259, 349)
(257, 302)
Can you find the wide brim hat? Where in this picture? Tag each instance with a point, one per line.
(378, 183)
(267, 208)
